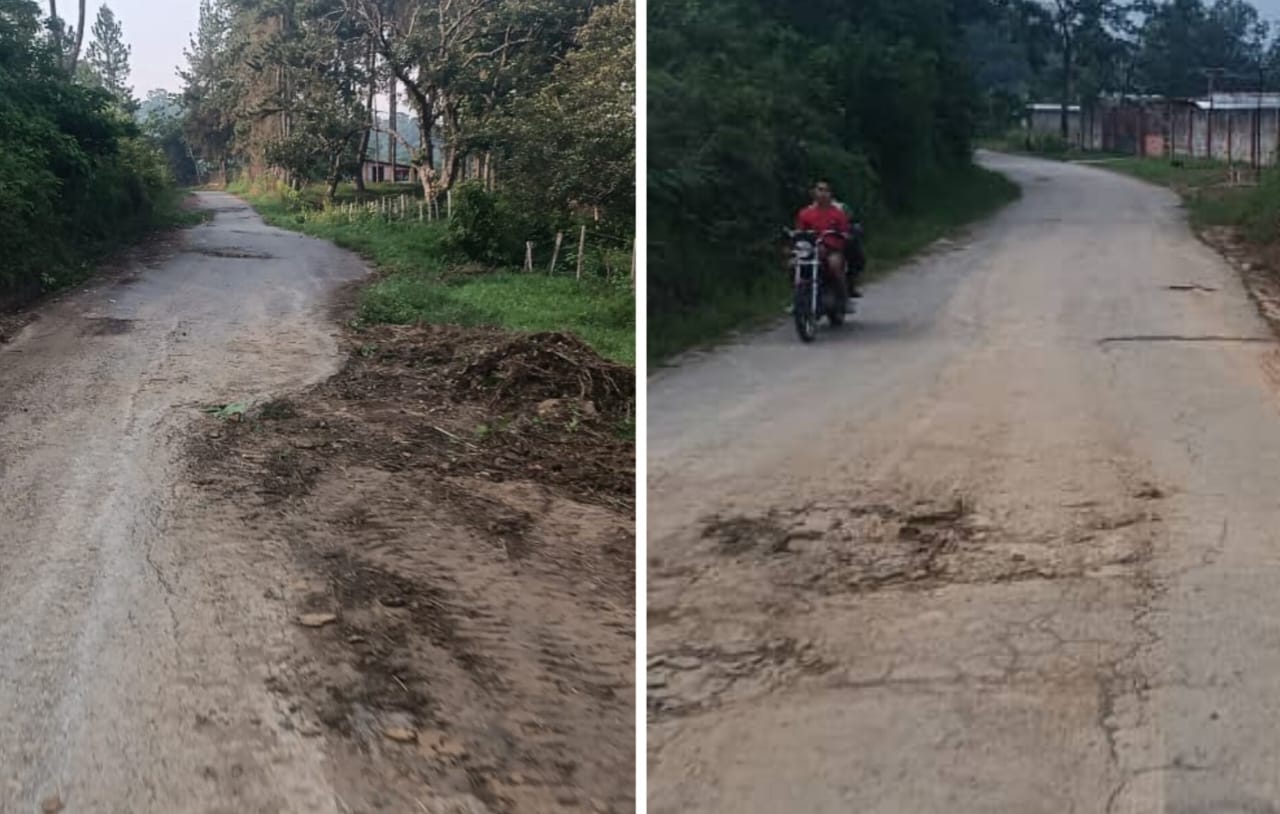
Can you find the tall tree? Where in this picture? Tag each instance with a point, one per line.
(210, 92)
(69, 50)
(108, 57)
(1086, 33)
(456, 58)
(573, 142)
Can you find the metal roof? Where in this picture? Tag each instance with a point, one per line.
(1240, 101)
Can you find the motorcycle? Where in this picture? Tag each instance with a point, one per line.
(815, 294)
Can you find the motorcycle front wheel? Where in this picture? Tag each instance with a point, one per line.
(806, 319)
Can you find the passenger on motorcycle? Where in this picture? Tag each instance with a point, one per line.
(855, 252)
(824, 215)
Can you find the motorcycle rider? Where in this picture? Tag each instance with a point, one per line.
(825, 215)
(855, 254)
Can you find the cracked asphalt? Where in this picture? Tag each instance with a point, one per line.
(136, 643)
(1093, 630)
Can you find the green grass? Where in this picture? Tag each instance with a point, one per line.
(1210, 198)
(1187, 176)
(171, 214)
(423, 281)
(964, 198)
(600, 313)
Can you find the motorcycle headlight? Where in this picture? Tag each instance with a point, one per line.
(803, 249)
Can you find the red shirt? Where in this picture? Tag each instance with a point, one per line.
(819, 219)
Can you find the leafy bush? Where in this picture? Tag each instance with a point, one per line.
(751, 100)
(75, 177)
(1050, 144)
(475, 229)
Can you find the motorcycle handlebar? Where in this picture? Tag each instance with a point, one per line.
(824, 233)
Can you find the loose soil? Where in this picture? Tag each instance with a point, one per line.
(461, 506)
(1258, 264)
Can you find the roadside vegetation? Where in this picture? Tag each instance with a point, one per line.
(1250, 210)
(522, 136)
(78, 177)
(966, 196)
(428, 277)
(749, 102)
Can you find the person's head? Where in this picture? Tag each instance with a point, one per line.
(822, 194)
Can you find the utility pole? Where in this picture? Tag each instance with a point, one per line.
(392, 136)
(1257, 122)
(1211, 74)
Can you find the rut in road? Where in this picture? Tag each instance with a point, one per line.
(1003, 544)
(137, 646)
(343, 600)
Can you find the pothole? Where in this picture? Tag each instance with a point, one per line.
(107, 326)
(833, 549)
(233, 254)
(693, 677)
(1109, 340)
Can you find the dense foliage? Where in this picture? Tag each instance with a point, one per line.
(532, 100)
(1073, 51)
(751, 100)
(75, 175)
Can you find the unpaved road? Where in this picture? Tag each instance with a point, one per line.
(1011, 542)
(135, 645)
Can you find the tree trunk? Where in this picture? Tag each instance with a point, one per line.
(368, 131)
(57, 29)
(426, 171)
(75, 54)
(392, 146)
(334, 174)
(1066, 87)
(452, 147)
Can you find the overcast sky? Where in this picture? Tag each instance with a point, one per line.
(158, 31)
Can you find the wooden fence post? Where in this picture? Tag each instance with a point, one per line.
(582, 239)
(555, 255)
(528, 255)
(420, 214)
(448, 202)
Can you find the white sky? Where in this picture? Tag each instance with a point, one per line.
(158, 31)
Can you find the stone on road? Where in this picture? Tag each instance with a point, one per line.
(1007, 542)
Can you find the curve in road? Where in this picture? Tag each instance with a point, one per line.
(1007, 543)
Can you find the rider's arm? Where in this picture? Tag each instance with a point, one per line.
(802, 220)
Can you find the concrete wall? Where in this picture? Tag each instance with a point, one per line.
(1049, 122)
(1232, 133)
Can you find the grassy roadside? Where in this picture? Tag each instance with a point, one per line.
(423, 280)
(1211, 200)
(962, 200)
(1048, 146)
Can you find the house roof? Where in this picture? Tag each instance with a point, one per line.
(1051, 107)
(1240, 101)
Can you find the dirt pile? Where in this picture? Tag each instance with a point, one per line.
(461, 501)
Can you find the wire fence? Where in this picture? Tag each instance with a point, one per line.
(569, 252)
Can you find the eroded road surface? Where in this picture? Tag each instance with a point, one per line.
(136, 646)
(1010, 542)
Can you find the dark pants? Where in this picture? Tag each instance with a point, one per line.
(857, 262)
